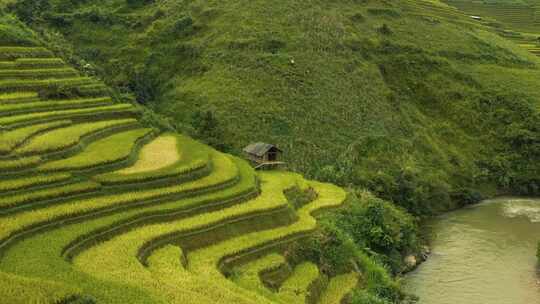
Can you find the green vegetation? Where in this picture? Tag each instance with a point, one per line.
(194, 157)
(29, 119)
(30, 181)
(111, 149)
(249, 275)
(40, 106)
(406, 99)
(34, 197)
(425, 108)
(11, 139)
(296, 288)
(339, 287)
(66, 137)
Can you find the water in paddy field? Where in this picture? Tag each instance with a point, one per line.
(485, 254)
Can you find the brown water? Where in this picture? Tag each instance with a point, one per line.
(485, 254)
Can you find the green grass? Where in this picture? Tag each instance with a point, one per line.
(339, 287)
(296, 288)
(114, 148)
(32, 181)
(63, 138)
(11, 139)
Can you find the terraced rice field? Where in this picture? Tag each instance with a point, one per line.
(96, 208)
(517, 22)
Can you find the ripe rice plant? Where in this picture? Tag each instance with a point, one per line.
(38, 63)
(108, 150)
(16, 288)
(161, 152)
(38, 73)
(124, 248)
(225, 172)
(296, 288)
(18, 97)
(34, 197)
(42, 106)
(54, 241)
(32, 181)
(11, 139)
(10, 53)
(26, 85)
(7, 165)
(63, 138)
(248, 276)
(34, 118)
(192, 156)
(339, 287)
(204, 260)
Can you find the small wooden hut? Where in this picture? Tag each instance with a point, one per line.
(263, 155)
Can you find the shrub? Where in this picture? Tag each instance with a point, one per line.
(30, 11)
(59, 91)
(362, 297)
(379, 226)
(298, 197)
(385, 29)
(208, 129)
(466, 196)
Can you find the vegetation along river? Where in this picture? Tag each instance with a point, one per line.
(484, 254)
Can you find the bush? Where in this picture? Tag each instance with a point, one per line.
(59, 91)
(137, 3)
(385, 29)
(362, 297)
(299, 198)
(30, 11)
(466, 196)
(380, 227)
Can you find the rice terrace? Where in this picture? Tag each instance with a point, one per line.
(179, 151)
(91, 205)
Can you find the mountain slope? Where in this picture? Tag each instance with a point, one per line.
(96, 207)
(411, 99)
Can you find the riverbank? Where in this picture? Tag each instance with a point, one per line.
(481, 254)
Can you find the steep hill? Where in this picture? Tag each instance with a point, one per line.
(97, 207)
(412, 99)
(518, 21)
(85, 212)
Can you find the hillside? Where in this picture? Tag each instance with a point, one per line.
(97, 207)
(411, 99)
(518, 21)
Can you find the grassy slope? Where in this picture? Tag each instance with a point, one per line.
(208, 201)
(438, 104)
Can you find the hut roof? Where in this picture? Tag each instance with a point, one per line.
(259, 149)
